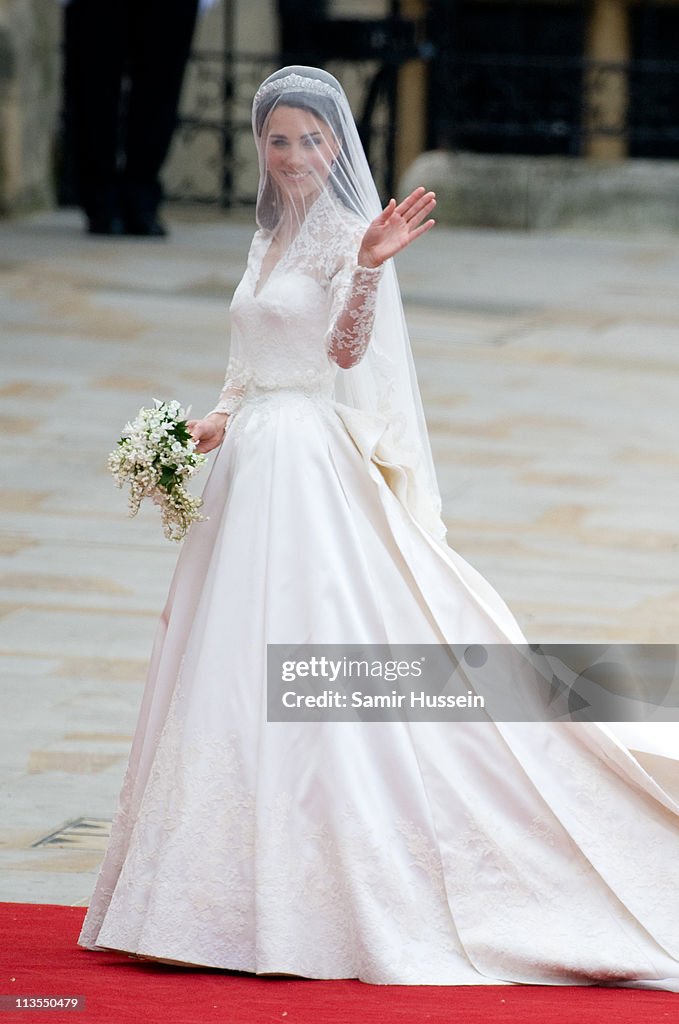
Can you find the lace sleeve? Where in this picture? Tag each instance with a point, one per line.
(354, 298)
(235, 385)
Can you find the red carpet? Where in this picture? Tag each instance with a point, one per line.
(39, 956)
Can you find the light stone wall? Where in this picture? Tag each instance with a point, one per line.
(549, 192)
(29, 102)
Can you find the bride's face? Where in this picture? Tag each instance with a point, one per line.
(299, 150)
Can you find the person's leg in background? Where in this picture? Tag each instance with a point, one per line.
(161, 32)
(95, 48)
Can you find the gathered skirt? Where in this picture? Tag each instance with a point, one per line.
(445, 853)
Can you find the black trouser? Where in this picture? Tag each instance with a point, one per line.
(119, 140)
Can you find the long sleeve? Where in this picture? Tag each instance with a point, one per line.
(352, 314)
(235, 386)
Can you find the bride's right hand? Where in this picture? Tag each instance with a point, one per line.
(208, 433)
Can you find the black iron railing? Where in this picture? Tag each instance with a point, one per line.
(518, 104)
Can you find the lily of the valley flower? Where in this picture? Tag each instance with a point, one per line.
(156, 455)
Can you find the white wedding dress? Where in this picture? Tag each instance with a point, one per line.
(397, 853)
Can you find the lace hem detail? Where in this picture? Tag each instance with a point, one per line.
(251, 386)
(236, 382)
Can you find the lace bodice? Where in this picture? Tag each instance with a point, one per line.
(311, 314)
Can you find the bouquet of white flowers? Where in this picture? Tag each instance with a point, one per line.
(156, 455)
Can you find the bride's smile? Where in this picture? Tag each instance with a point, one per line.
(300, 149)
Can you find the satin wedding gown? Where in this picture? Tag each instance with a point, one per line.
(397, 853)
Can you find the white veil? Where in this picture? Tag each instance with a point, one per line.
(382, 387)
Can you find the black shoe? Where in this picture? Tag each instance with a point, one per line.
(99, 225)
(145, 226)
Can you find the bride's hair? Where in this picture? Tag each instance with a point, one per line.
(340, 177)
(320, 105)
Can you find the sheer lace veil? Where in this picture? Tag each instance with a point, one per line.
(311, 161)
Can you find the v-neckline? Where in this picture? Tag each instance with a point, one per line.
(260, 285)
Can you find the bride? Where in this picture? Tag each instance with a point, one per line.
(393, 852)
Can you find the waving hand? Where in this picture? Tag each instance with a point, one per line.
(396, 227)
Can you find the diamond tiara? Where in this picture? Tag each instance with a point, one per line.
(295, 82)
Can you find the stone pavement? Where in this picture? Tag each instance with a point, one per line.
(549, 366)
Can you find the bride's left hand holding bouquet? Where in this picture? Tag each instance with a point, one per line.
(156, 455)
